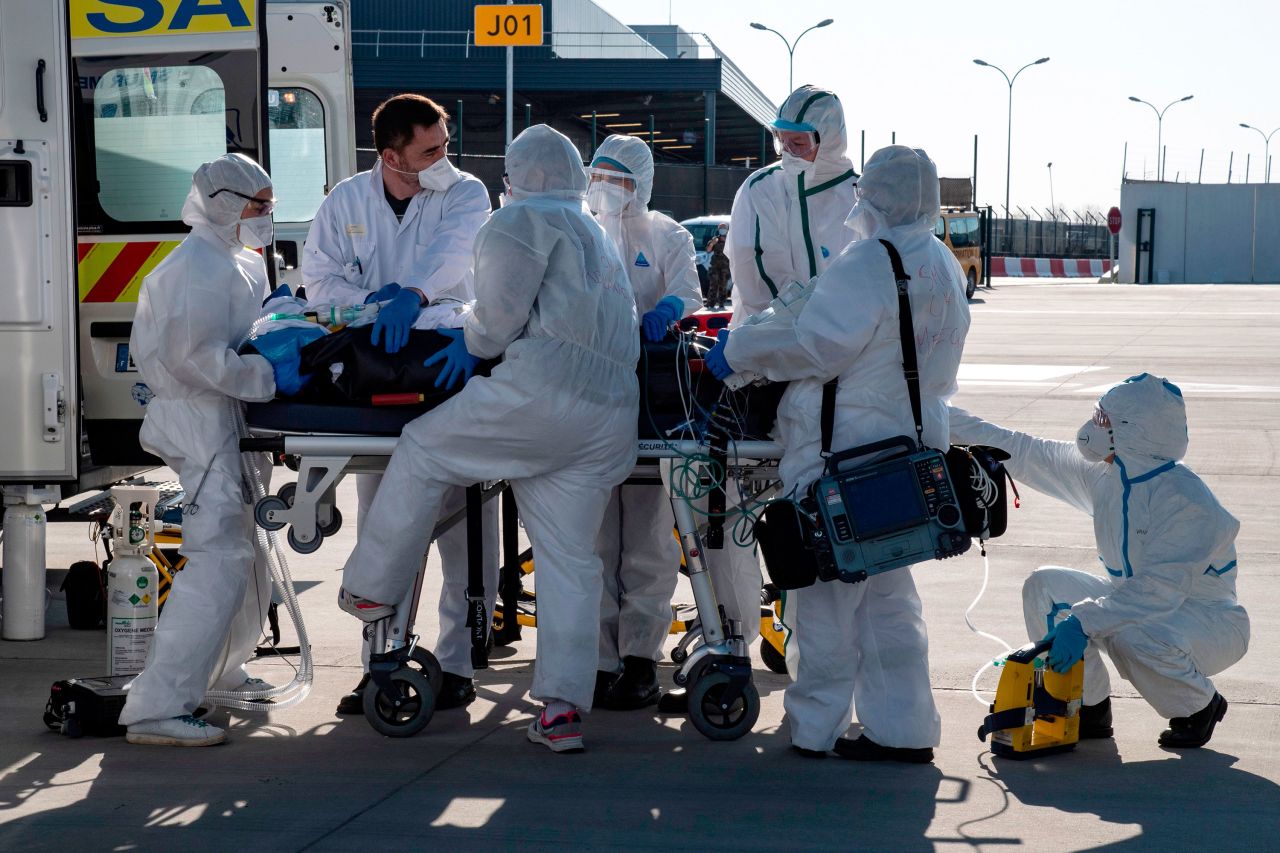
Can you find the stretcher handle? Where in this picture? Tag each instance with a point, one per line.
(274, 444)
(1029, 652)
(836, 460)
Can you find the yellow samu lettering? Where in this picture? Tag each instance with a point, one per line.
(159, 17)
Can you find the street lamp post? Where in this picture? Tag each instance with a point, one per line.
(1052, 205)
(791, 47)
(1008, 156)
(1160, 130)
(1266, 138)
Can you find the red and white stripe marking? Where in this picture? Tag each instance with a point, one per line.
(1049, 267)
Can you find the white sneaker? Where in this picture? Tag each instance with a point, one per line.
(254, 685)
(176, 731)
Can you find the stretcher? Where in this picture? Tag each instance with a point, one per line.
(325, 443)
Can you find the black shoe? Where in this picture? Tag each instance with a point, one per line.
(455, 692)
(1095, 720)
(353, 702)
(636, 688)
(604, 680)
(1191, 732)
(808, 753)
(865, 749)
(674, 702)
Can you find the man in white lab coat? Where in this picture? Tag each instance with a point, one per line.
(402, 234)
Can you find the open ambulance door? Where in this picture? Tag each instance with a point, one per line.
(38, 388)
(157, 88)
(309, 109)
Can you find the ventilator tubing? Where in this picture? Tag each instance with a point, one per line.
(973, 686)
(269, 547)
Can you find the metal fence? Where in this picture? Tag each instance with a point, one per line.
(1039, 238)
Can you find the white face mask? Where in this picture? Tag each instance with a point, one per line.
(439, 176)
(793, 165)
(257, 232)
(606, 199)
(1094, 442)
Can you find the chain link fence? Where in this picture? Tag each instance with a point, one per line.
(1038, 238)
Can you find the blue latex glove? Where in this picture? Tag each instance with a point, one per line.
(395, 320)
(715, 359)
(382, 294)
(283, 348)
(458, 363)
(654, 323)
(1069, 641)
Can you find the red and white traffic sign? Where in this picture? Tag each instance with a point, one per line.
(1113, 220)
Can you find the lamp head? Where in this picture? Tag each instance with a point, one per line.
(1188, 97)
(756, 26)
(1242, 124)
(1135, 100)
(979, 62)
(1041, 61)
(825, 23)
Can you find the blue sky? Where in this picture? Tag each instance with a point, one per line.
(908, 67)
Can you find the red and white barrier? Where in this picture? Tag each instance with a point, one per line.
(1049, 267)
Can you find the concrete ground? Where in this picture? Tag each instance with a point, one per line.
(1038, 356)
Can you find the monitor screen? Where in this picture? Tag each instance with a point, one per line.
(885, 501)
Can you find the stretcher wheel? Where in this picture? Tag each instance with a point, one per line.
(774, 659)
(305, 547)
(427, 664)
(334, 525)
(270, 503)
(715, 722)
(402, 709)
(286, 492)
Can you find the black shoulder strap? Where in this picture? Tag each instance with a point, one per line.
(828, 414)
(910, 369)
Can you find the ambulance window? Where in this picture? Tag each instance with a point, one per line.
(152, 127)
(298, 174)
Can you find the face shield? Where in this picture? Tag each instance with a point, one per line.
(797, 143)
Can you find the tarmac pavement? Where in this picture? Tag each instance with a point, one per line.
(1038, 356)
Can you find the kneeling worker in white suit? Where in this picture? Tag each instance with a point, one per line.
(193, 310)
(557, 419)
(1166, 613)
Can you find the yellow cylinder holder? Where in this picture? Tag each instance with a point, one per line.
(1036, 710)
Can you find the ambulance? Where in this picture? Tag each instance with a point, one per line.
(106, 108)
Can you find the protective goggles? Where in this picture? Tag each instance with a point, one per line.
(1100, 418)
(611, 176)
(264, 207)
(797, 143)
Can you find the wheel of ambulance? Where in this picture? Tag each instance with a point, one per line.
(270, 503)
(970, 283)
(334, 525)
(286, 493)
(774, 659)
(305, 547)
(709, 715)
(403, 708)
(426, 663)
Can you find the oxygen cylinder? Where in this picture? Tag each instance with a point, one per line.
(24, 572)
(132, 609)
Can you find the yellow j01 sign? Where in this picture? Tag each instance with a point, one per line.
(508, 26)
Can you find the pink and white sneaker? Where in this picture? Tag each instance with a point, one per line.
(561, 734)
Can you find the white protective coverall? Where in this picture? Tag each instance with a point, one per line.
(1166, 611)
(641, 558)
(354, 247)
(787, 224)
(193, 311)
(557, 418)
(865, 642)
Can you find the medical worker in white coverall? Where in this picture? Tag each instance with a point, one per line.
(557, 419)
(863, 647)
(193, 311)
(402, 234)
(641, 558)
(787, 225)
(1166, 611)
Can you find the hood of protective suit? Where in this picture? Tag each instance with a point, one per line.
(220, 213)
(818, 110)
(897, 194)
(632, 156)
(1148, 422)
(543, 161)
